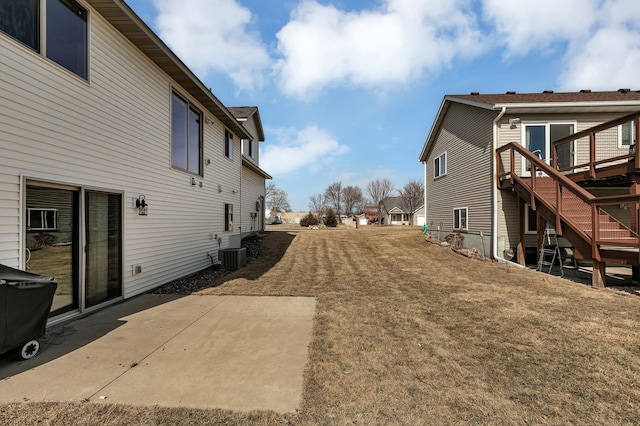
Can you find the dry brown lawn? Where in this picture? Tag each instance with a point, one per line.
(407, 332)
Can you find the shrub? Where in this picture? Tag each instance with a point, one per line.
(331, 219)
(309, 220)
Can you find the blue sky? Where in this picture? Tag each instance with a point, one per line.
(348, 89)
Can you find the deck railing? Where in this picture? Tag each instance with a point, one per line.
(591, 133)
(587, 214)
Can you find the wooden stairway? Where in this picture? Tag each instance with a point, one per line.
(576, 214)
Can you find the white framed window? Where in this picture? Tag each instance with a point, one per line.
(460, 218)
(186, 136)
(440, 165)
(42, 219)
(228, 217)
(538, 136)
(530, 220)
(251, 148)
(228, 144)
(627, 134)
(57, 30)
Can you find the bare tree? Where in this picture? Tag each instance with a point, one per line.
(276, 199)
(333, 196)
(317, 204)
(378, 190)
(411, 197)
(353, 199)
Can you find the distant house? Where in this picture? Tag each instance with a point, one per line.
(395, 212)
(500, 167)
(120, 170)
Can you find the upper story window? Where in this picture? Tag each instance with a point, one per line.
(440, 165)
(228, 144)
(626, 134)
(186, 136)
(61, 34)
(251, 148)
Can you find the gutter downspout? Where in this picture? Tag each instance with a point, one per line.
(494, 208)
(424, 195)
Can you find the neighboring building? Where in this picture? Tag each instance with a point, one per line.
(473, 188)
(119, 170)
(395, 213)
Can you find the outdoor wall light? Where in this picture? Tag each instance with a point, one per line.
(142, 205)
(219, 188)
(513, 122)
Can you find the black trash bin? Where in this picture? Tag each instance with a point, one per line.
(25, 303)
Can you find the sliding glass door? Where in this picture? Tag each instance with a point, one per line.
(103, 235)
(75, 235)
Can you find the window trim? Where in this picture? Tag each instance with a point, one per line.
(547, 134)
(190, 107)
(228, 217)
(632, 140)
(527, 216)
(228, 144)
(251, 149)
(437, 162)
(41, 38)
(457, 217)
(42, 214)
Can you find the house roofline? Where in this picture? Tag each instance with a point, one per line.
(519, 107)
(249, 165)
(127, 23)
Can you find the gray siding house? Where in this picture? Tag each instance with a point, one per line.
(464, 172)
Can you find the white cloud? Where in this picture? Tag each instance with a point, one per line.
(311, 148)
(323, 46)
(534, 25)
(597, 41)
(213, 36)
(608, 61)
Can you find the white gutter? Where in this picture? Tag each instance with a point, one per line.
(494, 209)
(424, 195)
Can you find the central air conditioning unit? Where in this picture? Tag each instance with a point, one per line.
(232, 258)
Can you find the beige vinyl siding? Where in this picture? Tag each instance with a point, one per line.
(252, 191)
(466, 136)
(112, 133)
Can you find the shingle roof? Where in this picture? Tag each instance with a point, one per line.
(551, 97)
(243, 113)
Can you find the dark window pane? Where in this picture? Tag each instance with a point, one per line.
(194, 141)
(21, 20)
(179, 132)
(67, 35)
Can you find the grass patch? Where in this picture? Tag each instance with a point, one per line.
(407, 332)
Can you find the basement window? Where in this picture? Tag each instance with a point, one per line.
(460, 219)
(228, 217)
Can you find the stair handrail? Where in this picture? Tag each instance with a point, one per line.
(562, 181)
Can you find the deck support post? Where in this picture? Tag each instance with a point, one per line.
(541, 225)
(521, 232)
(598, 277)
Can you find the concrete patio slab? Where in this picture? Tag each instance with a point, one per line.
(234, 352)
